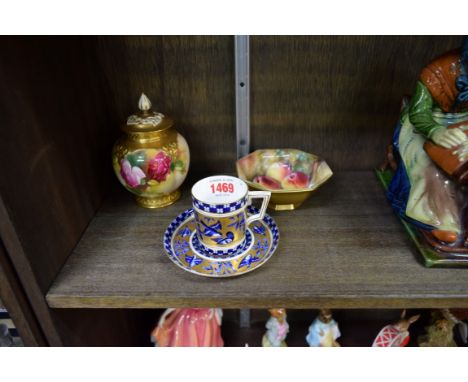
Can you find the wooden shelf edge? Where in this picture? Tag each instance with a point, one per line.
(348, 302)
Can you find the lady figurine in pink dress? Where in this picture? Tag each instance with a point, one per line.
(277, 329)
(189, 327)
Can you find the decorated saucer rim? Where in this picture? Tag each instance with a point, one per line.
(189, 213)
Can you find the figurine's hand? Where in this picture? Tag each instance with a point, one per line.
(462, 151)
(448, 138)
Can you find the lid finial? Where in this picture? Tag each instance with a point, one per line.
(144, 104)
(146, 119)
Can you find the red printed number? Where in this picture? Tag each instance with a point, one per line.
(222, 187)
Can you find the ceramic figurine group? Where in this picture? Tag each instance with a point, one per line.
(202, 327)
(323, 332)
(426, 170)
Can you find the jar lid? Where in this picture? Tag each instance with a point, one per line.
(146, 119)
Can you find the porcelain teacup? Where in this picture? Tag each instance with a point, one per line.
(219, 206)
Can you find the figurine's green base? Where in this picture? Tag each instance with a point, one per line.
(432, 257)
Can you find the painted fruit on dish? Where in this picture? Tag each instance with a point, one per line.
(283, 169)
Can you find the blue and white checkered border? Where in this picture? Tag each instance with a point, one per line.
(172, 228)
(271, 225)
(219, 208)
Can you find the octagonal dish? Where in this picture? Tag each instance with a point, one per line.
(291, 175)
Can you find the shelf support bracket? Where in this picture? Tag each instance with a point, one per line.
(242, 86)
(242, 69)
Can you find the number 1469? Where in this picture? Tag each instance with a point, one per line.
(222, 187)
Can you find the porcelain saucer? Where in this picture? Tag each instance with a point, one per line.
(184, 249)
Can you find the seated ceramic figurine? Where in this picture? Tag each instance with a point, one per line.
(277, 329)
(324, 330)
(440, 331)
(189, 327)
(430, 153)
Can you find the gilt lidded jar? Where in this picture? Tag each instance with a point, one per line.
(152, 159)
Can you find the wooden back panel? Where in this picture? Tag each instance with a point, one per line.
(189, 78)
(336, 96)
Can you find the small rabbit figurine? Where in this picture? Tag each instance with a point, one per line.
(395, 335)
(324, 330)
(440, 331)
(277, 329)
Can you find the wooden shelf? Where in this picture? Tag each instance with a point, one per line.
(344, 248)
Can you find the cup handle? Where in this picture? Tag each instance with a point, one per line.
(265, 195)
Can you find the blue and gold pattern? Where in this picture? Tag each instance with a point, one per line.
(221, 231)
(183, 247)
(220, 208)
